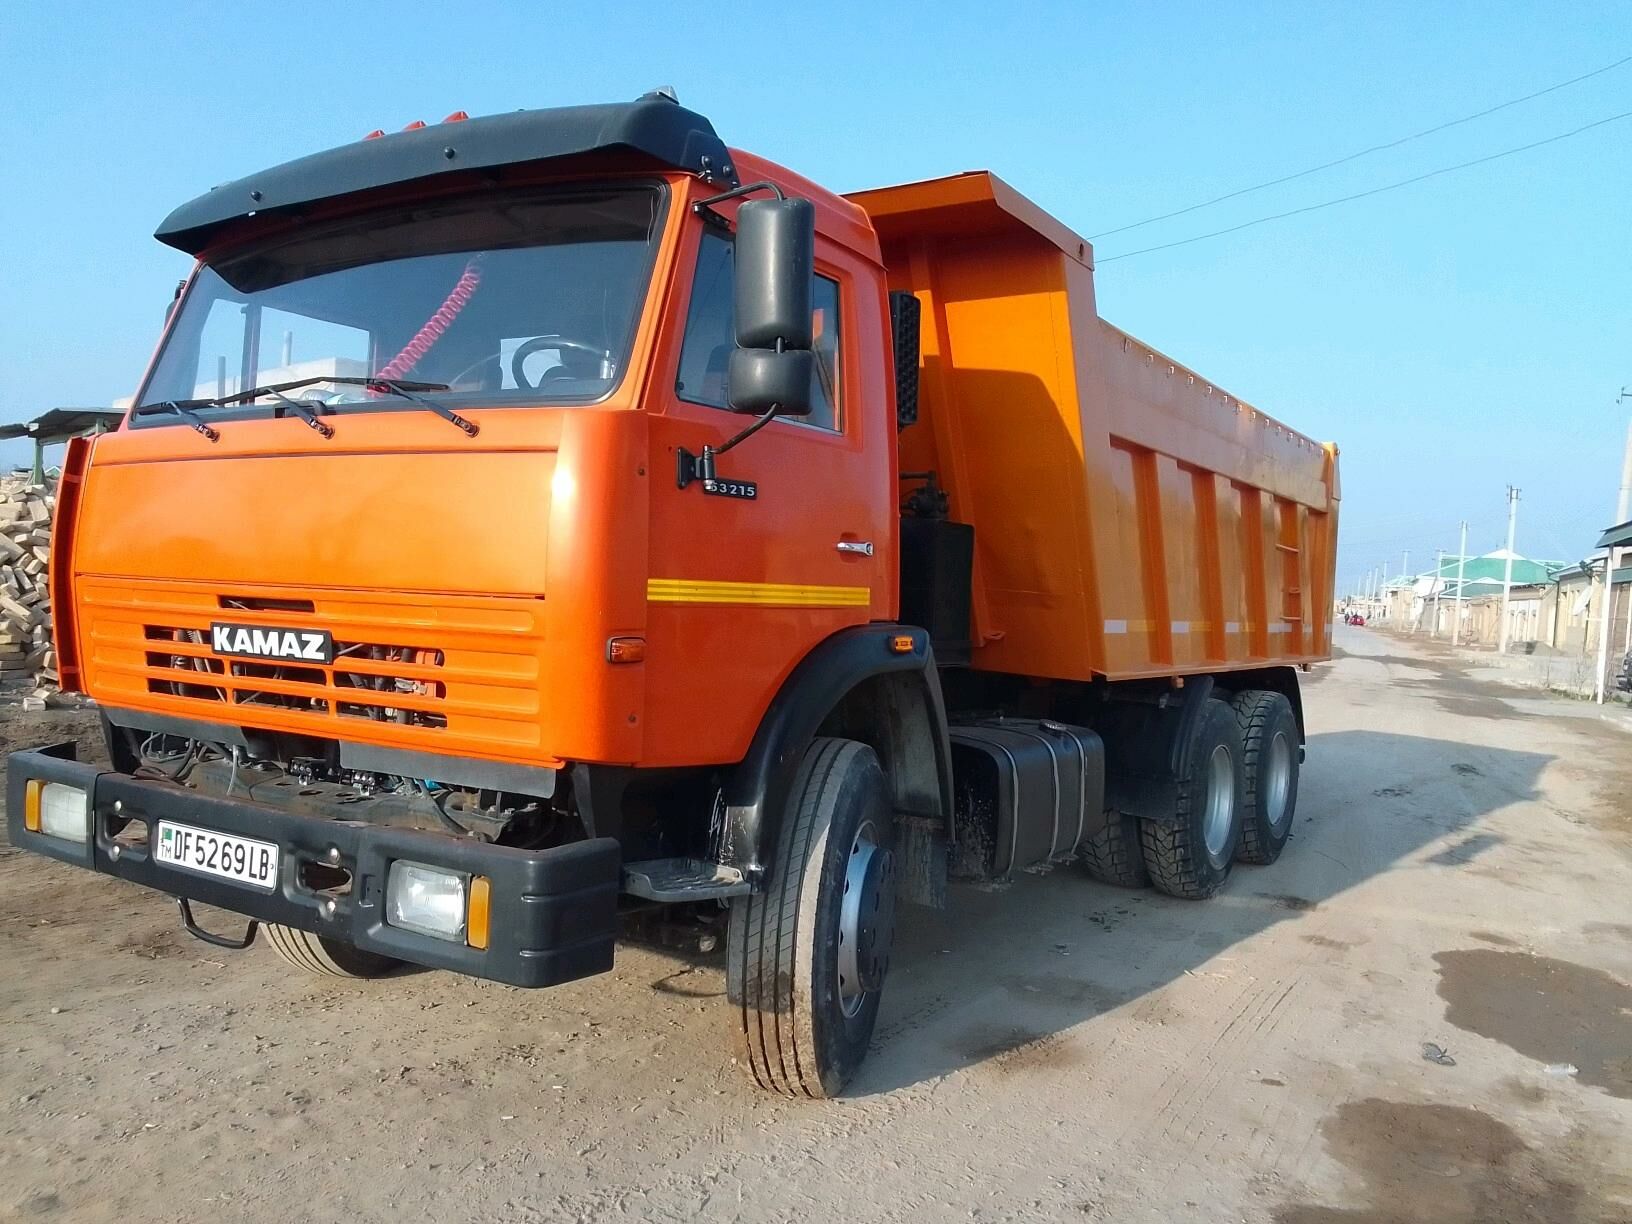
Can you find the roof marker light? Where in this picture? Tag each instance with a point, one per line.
(375, 134)
(456, 117)
(415, 125)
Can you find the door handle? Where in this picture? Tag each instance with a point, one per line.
(862, 548)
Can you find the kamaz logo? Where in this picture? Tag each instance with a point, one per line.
(260, 642)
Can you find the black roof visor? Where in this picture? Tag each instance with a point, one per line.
(653, 128)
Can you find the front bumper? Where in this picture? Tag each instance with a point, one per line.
(553, 912)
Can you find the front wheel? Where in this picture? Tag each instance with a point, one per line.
(807, 957)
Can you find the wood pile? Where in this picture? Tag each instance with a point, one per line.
(26, 653)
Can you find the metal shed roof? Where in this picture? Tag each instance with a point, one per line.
(1618, 536)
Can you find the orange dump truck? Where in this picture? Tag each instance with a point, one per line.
(537, 525)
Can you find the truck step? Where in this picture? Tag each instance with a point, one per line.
(682, 879)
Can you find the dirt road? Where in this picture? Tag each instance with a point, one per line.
(1461, 875)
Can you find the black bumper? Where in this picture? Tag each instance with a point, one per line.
(553, 912)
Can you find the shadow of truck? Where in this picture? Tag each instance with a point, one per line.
(1001, 975)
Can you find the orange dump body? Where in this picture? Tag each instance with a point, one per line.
(1131, 519)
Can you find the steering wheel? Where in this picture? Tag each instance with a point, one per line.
(539, 344)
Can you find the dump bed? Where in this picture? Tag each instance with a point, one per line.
(1131, 518)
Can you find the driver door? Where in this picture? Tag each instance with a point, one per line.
(799, 545)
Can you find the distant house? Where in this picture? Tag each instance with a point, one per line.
(1474, 589)
(1616, 544)
(1572, 612)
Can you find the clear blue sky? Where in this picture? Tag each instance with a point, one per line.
(1452, 337)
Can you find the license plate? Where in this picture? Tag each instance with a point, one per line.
(241, 859)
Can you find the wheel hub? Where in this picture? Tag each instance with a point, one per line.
(866, 919)
(1220, 810)
(1277, 781)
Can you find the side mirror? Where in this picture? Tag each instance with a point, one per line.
(775, 276)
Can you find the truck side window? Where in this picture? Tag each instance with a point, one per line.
(706, 349)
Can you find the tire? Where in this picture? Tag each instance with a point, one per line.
(803, 994)
(1191, 855)
(1269, 754)
(1113, 855)
(320, 954)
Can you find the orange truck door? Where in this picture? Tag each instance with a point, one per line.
(798, 545)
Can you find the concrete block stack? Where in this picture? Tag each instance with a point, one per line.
(26, 653)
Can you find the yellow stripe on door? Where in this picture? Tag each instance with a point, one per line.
(762, 594)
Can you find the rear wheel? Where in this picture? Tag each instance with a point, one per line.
(1113, 855)
(320, 954)
(1190, 856)
(807, 957)
(1269, 755)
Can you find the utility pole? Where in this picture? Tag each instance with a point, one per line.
(1461, 572)
(1623, 505)
(1507, 575)
(1382, 593)
(1408, 594)
(1604, 623)
(1623, 509)
(1439, 564)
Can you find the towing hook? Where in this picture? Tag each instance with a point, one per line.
(220, 941)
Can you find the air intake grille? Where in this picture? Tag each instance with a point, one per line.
(372, 680)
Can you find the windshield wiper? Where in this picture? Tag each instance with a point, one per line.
(405, 389)
(402, 388)
(183, 409)
(302, 409)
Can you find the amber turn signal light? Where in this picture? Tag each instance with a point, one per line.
(31, 805)
(478, 914)
(902, 643)
(625, 650)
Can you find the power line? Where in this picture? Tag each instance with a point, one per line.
(1361, 195)
(1378, 148)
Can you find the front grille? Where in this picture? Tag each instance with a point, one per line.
(373, 680)
(453, 673)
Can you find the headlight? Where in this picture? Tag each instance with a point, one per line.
(57, 810)
(426, 900)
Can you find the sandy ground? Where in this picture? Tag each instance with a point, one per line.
(1461, 875)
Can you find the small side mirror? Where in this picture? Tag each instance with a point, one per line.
(175, 298)
(775, 277)
(759, 378)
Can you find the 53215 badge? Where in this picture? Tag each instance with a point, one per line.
(745, 489)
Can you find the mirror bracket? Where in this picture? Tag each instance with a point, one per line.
(700, 468)
(705, 207)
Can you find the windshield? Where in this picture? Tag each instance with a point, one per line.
(519, 297)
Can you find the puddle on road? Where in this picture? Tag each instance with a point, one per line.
(1445, 1164)
(1466, 850)
(1476, 706)
(1290, 901)
(1554, 1011)
(1058, 989)
(1335, 945)
(1008, 1049)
